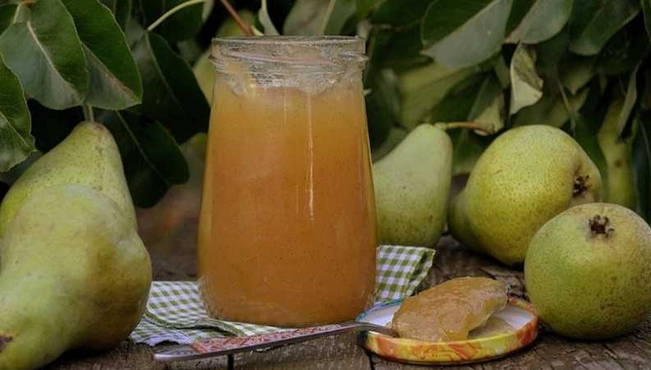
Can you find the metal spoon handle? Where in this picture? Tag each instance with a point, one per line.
(227, 345)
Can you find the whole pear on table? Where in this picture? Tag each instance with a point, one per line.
(524, 178)
(412, 183)
(587, 271)
(73, 270)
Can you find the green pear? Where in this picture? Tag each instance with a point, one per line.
(73, 270)
(525, 177)
(587, 271)
(74, 274)
(87, 156)
(619, 183)
(412, 184)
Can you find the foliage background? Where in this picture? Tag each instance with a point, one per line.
(476, 67)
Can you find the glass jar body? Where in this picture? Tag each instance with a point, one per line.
(287, 227)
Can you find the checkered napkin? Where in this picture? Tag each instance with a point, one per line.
(175, 312)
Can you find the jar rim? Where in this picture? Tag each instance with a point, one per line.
(290, 40)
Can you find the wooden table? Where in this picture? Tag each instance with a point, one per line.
(341, 352)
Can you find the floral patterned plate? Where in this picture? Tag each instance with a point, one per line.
(519, 314)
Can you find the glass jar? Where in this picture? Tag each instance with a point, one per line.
(287, 232)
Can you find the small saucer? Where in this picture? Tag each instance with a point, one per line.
(518, 314)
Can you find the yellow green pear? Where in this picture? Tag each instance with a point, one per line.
(587, 271)
(412, 184)
(73, 270)
(87, 156)
(524, 178)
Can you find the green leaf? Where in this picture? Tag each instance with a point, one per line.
(400, 12)
(629, 102)
(593, 23)
(265, 19)
(114, 79)
(526, 85)
(491, 119)
(463, 34)
(152, 159)
(549, 54)
(544, 19)
(171, 93)
(50, 61)
(183, 25)
(7, 13)
(488, 91)
(121, 10)
(396, 48)
(424, 87)
(457, 105)
(16, 142)
(519, 9)
(308, 17)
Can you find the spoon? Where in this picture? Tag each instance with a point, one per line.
(220, 346)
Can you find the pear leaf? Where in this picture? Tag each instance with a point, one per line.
(45, 52)
(152, 159)
(491, 120)
(265, 20)
(16, 142)
(114, 78)
(460, 34)
(526, 85)
(544, 19)
(121, 10)
(593, 23)
(171, 94)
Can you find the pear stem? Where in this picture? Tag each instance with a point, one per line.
(471, 125)
(601, 226)
(89, 115)
(171, 12)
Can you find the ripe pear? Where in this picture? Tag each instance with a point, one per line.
(587, 271)
(73, 270)
(88, 156)
(524, 178)
(412, 184)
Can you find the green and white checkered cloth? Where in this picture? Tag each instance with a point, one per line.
(175, 312)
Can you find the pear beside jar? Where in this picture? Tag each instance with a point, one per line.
(524, 178)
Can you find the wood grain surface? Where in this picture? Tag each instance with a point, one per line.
(550, 351)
